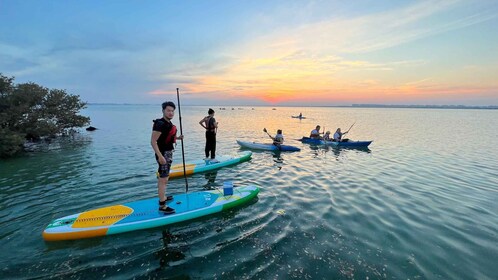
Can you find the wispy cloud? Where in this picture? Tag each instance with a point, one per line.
(281, 77)
(370, 32)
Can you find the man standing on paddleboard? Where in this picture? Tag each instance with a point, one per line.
(162, 139)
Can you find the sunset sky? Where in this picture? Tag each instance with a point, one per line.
(256, 52)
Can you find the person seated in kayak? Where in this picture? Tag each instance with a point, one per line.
(338, 136)
(300, 115)
(278, 139)
(326, 136)
(315, 133)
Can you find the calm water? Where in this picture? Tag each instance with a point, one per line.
(421, 203)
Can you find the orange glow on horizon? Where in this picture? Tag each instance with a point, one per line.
(297, 77)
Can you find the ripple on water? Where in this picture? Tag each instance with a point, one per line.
(405, 208)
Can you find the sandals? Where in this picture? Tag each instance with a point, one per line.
(165, 208)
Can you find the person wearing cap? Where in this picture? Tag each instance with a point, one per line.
(162, 139)
(211, 126)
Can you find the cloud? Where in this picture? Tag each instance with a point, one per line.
(313, 57)
(328, 50)
(281, 77)
(369, 32)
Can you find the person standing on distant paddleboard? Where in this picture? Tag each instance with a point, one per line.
(211, 125)
(162, 139)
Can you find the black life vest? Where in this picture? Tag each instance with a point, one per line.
(210, 124)
(168, 132)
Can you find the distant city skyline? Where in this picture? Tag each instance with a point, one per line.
(257, 53)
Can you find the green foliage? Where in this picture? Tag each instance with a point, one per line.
(10, 143)
(31, 111)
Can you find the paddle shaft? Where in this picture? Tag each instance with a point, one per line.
(181, 133)
(264, 130)
(351, 127)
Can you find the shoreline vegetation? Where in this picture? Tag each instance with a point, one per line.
(32, 113)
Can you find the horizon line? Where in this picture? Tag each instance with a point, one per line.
(366, 105)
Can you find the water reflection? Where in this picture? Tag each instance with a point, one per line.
(278, 159)
(358, 149)
(81, 244)
(211, 179)
(335, 151)
(315, 150)
(321, 151)
(170, 255)
(73, 142)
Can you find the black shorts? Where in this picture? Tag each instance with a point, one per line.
(163, 169)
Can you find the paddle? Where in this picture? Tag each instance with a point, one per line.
(350, 128)
(348, 131)
(181, 133)
(264, 129)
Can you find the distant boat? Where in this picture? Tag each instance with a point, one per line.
(274, 109)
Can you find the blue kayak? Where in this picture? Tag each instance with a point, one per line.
(267, 147)
(349, 143)
(308, 140)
